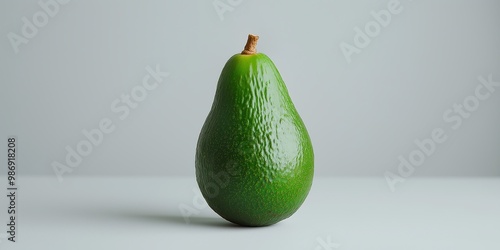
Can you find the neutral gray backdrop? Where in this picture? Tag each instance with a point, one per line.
(361, 115)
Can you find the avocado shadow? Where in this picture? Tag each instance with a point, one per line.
(156, 217)
(180, 220)
(200, 221)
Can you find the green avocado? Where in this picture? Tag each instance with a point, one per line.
(254, 158)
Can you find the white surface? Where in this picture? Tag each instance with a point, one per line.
(143, 213)
(360, 116)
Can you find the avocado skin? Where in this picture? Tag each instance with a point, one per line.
(254, 158)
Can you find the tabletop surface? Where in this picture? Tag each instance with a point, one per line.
(169, 213)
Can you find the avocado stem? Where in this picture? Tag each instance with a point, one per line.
(250, 47)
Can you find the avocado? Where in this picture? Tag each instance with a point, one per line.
(254, 158)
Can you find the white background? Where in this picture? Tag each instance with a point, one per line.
(361, 115)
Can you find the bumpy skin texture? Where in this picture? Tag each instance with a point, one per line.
(254, 158)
